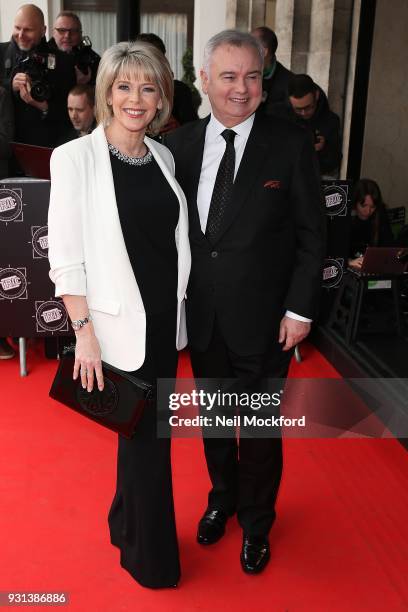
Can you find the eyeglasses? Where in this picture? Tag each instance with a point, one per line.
(69, 31)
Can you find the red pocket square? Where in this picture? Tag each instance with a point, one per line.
(273, 184)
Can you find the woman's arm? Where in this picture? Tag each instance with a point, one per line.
(87, 351)
(66, 255)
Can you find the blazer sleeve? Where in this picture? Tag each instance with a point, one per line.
(65, 232)
(309, 226)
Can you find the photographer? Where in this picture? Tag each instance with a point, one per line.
(68, 39)
(38, 79)
(307, 105)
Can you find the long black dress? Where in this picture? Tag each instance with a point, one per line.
(141, 518)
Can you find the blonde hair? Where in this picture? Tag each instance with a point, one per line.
(127, 59)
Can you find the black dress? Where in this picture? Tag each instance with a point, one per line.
(141, 518)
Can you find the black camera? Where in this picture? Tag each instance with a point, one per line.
(35, 66)
(85, 57)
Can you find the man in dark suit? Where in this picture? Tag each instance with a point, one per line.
(256, 232)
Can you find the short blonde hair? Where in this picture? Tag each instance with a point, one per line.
(128, 59)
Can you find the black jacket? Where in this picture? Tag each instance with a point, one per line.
(268, 254)
(275, 89)
(183, 107)
(6, 130)
(324, 122)
(30, 125)
(75, 57)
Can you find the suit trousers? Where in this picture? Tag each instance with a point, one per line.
(141, 518)
(245, 473)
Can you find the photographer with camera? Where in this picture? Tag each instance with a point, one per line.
(68, 39)
(308, 106)
(38, 79)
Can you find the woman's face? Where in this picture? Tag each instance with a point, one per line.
(134, 102)
(366, 208)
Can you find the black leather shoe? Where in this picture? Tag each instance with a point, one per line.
(254, 554)
(211, 526)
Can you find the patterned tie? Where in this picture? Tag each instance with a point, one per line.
(224, 181)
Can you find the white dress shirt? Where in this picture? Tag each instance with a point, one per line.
(214, 148)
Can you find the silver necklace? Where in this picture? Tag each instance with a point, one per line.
(128, 159)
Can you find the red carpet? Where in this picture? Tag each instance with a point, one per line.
(340, 541)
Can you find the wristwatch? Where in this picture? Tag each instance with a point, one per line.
(78, 323)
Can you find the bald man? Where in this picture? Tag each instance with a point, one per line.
(39, 119)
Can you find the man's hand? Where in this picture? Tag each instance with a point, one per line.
(21, 79)
(81, 78)
(292, 331)
(321, 141)
(25, 95)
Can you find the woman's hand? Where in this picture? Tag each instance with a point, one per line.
(356, 263)
(88, 358)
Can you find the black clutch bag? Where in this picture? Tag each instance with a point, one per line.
(119, 406)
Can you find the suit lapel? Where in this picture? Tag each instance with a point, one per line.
(251, 165)
(194, 149)
(107, 209)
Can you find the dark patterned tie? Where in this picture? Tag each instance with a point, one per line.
(223, 186)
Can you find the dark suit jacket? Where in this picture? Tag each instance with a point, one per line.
(268, 254)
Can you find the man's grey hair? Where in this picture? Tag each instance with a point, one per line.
(235, 38)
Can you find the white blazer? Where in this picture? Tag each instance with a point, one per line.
(87, 250)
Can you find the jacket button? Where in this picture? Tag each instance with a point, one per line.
(214, 254)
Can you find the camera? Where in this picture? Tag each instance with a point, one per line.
(35, 66)
(85, 57)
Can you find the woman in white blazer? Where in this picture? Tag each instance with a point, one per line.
(120, 260)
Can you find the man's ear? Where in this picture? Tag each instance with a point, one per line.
(204, 80)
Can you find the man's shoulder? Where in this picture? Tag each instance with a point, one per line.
(280, 126)
(185, 132)
(5, 49)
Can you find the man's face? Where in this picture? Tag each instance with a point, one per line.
(67, 33)
(28, 30)
(233, 83)
(305, 107)
(80, 112)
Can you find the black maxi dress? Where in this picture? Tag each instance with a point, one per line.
(141, 518)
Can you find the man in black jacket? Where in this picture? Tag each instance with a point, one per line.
(68, 38)
(256, 234)
(275, 75)
(308, 106)
(27, 70)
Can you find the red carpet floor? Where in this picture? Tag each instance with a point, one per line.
(340, 541)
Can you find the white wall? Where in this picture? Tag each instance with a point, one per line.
(210, 17)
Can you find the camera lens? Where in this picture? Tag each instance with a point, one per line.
(40, 91)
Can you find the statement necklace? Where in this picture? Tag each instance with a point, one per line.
(128, 159)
